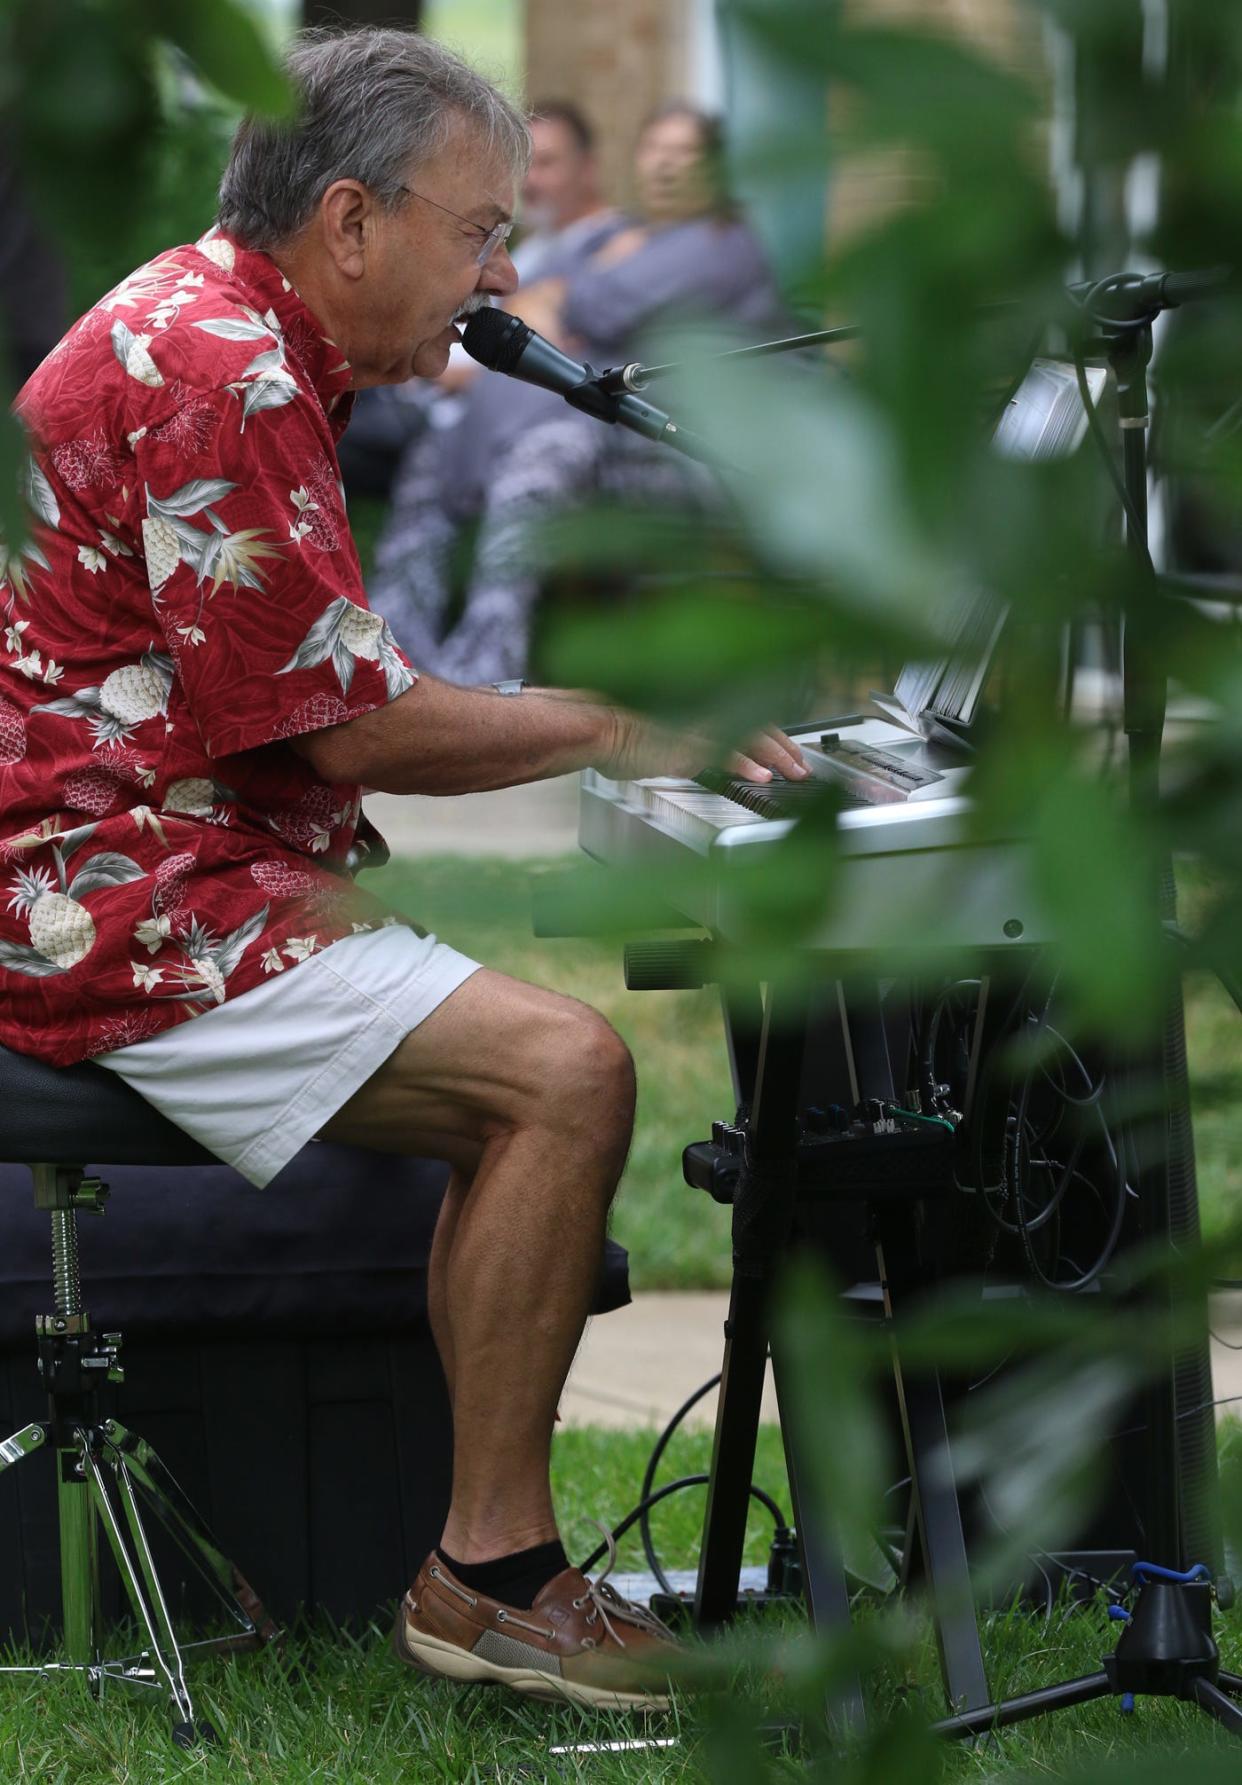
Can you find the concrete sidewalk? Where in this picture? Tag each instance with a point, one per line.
(540, 819)
(636, 1367)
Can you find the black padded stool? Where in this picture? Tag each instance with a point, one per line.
(51, 1120)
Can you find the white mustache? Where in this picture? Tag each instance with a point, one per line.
(477, 301)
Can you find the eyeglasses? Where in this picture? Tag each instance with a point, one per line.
(492, 238)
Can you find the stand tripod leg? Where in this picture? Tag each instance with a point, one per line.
(1219, 1705)
(823, 1573)
(987, 1717)
(79, 1555)
(185, 1524)
(763, 1210)
(933, 1492)
(733, 1454)
(939, 1521)
(133, 1559)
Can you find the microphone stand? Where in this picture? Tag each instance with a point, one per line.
(634, 377)
(1136, 295)
(599, 394)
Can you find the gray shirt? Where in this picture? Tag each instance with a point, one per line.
(686, 272)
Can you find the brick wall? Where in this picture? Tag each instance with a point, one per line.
(617, 59)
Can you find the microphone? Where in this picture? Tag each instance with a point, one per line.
(506, 344)
(1137, 297)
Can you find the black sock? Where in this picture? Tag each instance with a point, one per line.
(515, 1579)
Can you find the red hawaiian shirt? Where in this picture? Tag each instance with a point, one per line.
(188, 599)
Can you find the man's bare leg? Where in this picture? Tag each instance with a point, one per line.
(543, 1090)
(437, 1273)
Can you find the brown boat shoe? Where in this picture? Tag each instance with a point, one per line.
(580, 1642)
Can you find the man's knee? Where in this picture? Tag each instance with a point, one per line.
(587, 1074)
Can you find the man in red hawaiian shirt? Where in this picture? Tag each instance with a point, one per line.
(192, 696)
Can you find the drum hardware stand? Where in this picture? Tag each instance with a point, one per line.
(104, 1474)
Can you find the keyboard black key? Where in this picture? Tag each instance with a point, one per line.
(777, 798)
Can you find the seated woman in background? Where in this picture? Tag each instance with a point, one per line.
(518, 454)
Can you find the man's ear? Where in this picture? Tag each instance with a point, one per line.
(347, 214)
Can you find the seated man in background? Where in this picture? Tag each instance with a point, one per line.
(193, 693)
(518, 454)
(563, 214)
(564, 220)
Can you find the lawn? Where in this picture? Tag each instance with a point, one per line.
(338, 1707)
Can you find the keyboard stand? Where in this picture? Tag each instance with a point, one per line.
(770, 1066)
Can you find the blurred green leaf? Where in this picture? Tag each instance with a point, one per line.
(902, 1747)
(832, 1414)
(14, 515)
(924, 87)
(1097, 873)
(83, 110)
(666, 655)
(1030, 1448)
(225, 44)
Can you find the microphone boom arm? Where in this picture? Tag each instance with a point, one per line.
(635, 377)
(593, 399)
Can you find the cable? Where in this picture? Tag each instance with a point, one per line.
(1027, 1148)
(1133, 525)
(648, 1499)
(673, 1487)
(910, 1115)
(1188, 1413)
(653, 1464)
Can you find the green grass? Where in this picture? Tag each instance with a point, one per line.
(588, 1463)
(338, 1707)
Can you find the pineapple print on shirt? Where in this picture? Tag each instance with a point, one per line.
(62, 931)
(186, 604)
(124, 700)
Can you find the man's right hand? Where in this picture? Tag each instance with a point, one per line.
(640, 747)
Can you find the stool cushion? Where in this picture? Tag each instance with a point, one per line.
(59, 1114)
(338, 1242)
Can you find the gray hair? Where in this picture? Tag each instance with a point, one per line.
(374, 104)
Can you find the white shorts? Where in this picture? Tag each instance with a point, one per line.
(256, 1078)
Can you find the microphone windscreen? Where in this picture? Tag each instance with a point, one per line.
(495, 339)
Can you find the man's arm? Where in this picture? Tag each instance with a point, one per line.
(438, 738)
